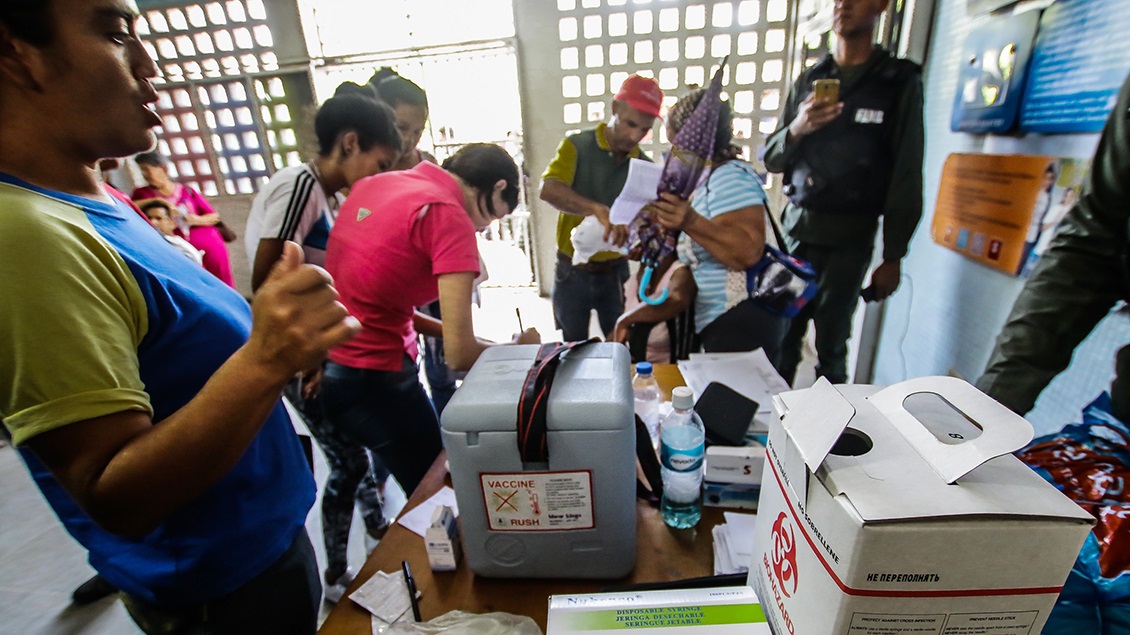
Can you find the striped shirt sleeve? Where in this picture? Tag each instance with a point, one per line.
(296, 202)
(733, 186)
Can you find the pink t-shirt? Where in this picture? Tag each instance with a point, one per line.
(395, 233)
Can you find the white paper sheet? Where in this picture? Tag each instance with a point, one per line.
(385, 595)
(639, 190)
(419, 518)
(750, 374)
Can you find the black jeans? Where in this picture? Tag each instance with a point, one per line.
(282, 600)
(387, 412)
(745, 327)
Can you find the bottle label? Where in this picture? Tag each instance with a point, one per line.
(682, 460)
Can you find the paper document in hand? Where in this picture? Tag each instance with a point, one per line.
(419, 518)
(750, 374)
(639, 190)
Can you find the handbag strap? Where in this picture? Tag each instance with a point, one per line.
(782, 247)
(535, 399)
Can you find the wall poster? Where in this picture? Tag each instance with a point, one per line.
(992, 79)
(1003, 210)
(1078, 66)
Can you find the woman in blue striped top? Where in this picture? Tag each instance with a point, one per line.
(724, 230)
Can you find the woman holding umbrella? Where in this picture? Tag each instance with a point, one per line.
(724, 231)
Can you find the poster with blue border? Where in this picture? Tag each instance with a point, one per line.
(1079, 63)
(992, 80)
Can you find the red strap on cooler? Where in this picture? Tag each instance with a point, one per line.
(535, 397)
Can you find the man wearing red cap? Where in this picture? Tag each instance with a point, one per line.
(584, 179)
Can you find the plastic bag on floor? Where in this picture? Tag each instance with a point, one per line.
(464, 623)
(1088, 461)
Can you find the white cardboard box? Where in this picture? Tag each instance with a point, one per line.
(720, 611)
(735, 464)
(442, 540)
(906, 533)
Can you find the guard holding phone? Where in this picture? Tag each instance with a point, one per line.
(851, 148)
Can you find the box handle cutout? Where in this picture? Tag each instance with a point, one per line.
(1003, 431)
(945, 422)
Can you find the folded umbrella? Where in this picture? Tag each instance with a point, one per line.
(692, 148)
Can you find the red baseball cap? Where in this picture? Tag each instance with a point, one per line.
(642, 93)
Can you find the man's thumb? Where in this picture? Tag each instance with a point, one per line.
(291, 259)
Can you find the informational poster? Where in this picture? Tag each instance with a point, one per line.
(1079, 63)
(1002, 210)
(992, 80)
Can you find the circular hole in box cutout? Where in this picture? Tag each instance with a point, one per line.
(852, 442)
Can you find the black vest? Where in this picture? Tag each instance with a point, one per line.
(845, 167)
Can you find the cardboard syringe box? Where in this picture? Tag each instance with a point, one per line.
(889, 529)
(719, 611)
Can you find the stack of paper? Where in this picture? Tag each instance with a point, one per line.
(734, 542)
(749, 374)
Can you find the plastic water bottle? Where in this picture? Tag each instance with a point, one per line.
(646, 400)
(681, 462)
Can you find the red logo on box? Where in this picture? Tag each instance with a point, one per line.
(785, 555)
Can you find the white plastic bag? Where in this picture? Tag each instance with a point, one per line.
(464, 623)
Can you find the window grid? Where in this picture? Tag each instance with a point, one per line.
(602, 42)
(228, 115)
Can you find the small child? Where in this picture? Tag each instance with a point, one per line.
(645, 328)
(160, 214)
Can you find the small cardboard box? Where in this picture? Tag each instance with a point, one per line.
(889, 529)
(442, 540)
(735, 464)
(720, 611)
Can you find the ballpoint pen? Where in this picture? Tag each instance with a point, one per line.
(411, 584)
(519, 315)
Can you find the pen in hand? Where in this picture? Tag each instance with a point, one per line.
(411, 584)
(518, 314)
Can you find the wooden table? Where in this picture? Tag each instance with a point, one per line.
(662, 554)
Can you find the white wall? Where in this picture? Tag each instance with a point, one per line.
(947, 318)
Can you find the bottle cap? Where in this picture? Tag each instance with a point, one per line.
(643, 368)
(682, 398)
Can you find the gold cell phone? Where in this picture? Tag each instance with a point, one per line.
(826, 90)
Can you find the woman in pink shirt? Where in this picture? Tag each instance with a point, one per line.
(196, 220)
(403, 239)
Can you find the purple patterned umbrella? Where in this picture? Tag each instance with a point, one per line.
(692, 147)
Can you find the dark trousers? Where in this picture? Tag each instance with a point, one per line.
(746, 327)
(840, 276)
(282, 600)
(579, 290)
(387, 412)
(355, 478)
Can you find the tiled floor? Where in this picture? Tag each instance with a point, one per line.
(40, 565)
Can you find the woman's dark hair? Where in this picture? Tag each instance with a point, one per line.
(350, 88)
(373, 122)
(154, 158)
(724, 134)
(481, 165)
(396, 90)
(29, 20)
